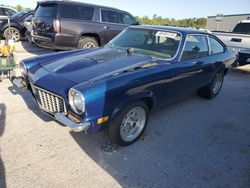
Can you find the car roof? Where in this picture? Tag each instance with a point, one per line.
(182, 30)
(2, 6)
(79, 3)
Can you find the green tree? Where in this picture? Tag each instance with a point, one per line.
(158, 20)
(19, 8)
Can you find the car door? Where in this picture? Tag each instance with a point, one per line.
(194, 68)
(111, 25)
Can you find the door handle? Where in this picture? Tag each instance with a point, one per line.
(235, 40)
(106, 27)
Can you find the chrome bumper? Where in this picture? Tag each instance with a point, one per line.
(76, 127)
(20, 83)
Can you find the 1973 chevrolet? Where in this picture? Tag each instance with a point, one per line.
(117, 86)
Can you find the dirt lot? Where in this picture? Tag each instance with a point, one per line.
(193, 143)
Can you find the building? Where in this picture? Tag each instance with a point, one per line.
(225, 22)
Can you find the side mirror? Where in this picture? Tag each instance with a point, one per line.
(137, 23)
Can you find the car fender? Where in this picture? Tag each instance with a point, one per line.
(17, 26)
(142, 95)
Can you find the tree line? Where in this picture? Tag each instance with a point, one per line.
(158, 20)
(188, 22)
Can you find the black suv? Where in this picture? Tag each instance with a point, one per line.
(66, 25)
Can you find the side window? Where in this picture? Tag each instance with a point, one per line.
(127, 19)
(2, 12)
(9, 12)
(216, 47)
(110, 16)
(196, 47)
(77, 12)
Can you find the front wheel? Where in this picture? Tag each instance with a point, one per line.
(12, 33)
(212, 89)
(128, 125)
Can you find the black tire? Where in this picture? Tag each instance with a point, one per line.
(87, 42)
(211, 90)
(12, 33)
(116, 123)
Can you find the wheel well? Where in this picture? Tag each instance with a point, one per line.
(13, 27)
(149, 102)
(93, 36)
(225, 71)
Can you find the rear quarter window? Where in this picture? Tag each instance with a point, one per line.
(46, 10)
(77, 12)
(196, 46)
(216, 46)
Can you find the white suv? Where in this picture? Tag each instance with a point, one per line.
(6, 11)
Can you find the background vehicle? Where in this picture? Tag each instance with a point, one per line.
(6, 12)
(118, 85)
(68, 24)
(28, 24)
(17, 28)
(238, 41)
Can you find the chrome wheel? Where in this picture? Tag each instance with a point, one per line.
(133, 124)
(89, 45)
(217, 83)
(12, 33)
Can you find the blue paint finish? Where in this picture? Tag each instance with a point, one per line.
(109, 79)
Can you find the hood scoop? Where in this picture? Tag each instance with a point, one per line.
(106, 55)
(75, 65)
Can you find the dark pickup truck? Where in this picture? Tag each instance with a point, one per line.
(238, 41)
(67, 25)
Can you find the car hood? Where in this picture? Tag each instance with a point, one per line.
(92, 64)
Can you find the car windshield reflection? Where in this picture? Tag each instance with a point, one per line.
(159, 44)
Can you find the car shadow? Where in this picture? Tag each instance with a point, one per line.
(34, 49)
(181, 147)
(2, 126)
(31, 104)
(136, 165)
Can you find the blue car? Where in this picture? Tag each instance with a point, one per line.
(117, 86)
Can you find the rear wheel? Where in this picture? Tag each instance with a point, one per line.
(129, 124)
(12, 33)
(212, 89)
(87, 42)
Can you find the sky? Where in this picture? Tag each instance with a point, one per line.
(177, 9)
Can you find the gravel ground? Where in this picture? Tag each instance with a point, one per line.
(192, 143)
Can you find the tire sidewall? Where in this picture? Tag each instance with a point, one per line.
(19, 34)
(85, 40)
(212, 85)
(115, 125)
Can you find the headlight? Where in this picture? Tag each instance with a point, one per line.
(76, 101)
(23, 69)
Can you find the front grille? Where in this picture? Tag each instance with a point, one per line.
(49, 101)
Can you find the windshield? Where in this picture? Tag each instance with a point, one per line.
(19, 14)
(160, 44)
